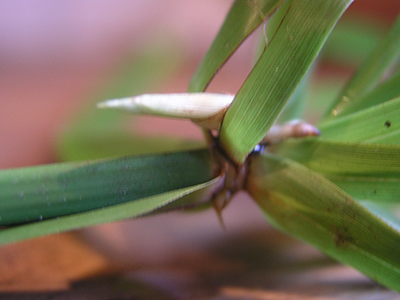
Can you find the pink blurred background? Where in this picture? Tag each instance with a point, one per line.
(53, 53)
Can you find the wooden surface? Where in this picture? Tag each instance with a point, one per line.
(179, 256)
(260, 264)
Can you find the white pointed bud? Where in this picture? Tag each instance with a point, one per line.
(205, 109)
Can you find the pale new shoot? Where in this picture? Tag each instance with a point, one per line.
(205, 109)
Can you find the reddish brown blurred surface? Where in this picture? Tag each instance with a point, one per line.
(41, 91)
(385, 10)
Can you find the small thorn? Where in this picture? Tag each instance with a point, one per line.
(220, 219)
(219, 204)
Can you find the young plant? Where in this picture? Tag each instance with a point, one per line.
(326, 189)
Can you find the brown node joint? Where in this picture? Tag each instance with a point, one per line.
(233, 175)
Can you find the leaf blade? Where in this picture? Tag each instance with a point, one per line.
(243, 18)
(311, 208)
(369, 73)
(366, 171)
(374, 124)
(386, 91)
(178, 198)
(277, 74)
(36, 193)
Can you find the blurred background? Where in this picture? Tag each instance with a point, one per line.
(55, 55)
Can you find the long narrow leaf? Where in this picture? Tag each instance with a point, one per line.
(384, 92)
(242, 19)
(310, 207)
(370, 72)
(37, 193)
(296, 106)
(377, 123)
(188, 196)
(277, 74)
(366, 171)
(369, 188)
(331, 157)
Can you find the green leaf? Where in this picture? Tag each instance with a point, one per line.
(310, 207)
(370, 72)
(384, 92)
(42, 192)
(277, 74)
(331, 157)
(376, 189)
(189, 196)
(242, 19)
(296, 106)
(366, 171)
(377, 124)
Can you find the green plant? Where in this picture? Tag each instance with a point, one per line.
(326, 190)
